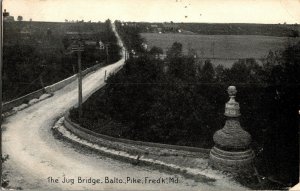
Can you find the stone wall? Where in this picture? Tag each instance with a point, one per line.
(24, 99)
(49, 89)
(136, 147)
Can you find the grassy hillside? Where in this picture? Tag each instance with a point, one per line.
(280, 30)
(221, 49)
(241, 29)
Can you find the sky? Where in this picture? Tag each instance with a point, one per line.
(202, 11)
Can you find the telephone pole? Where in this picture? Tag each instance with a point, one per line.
(213, 49)
(79, 84)
(107, 54)
(78, 47)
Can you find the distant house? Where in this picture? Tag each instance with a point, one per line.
(81, 35)
(25, 34)
(7, 17)
(131, 24)
(90, 43)
(171, 27)
(94, 44)
(155, 28)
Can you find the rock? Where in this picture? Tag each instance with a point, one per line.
(20, 107)
(33, 101)
(44, 96)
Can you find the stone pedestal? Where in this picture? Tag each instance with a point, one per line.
(231, 151)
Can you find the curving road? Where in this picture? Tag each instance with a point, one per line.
(35, 155)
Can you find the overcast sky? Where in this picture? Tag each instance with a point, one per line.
(209, 11)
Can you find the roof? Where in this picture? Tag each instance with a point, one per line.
(90, 42)
(170, 25)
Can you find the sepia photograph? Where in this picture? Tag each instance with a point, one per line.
(199, 95)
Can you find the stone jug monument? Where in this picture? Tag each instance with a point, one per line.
(231, 151)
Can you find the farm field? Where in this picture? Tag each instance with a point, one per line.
(221, 49)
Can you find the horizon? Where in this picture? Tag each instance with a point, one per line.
(177, 11)
(287, 24)
(161, 22)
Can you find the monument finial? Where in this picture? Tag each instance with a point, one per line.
(232, 150)
(232, 108)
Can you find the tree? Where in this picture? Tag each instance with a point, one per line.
(255, 71)
(20, 18)
(181, 67)
(281, 146)
(239, 72)
(244, 71)
(192, 53)
(156, 51)
(66, 42)
(291, 64)
(207, 72)
(219, 73)
(175, 50)
(49, 31)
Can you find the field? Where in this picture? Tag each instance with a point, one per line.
(241, 29)
(221, 49)
(280, 30)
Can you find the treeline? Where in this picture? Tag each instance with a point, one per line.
(37, 54)
(130, 37)
(280, 30)
(179, 101)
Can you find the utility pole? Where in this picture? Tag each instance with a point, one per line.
(107, 55)
(78, 47)
(79, 84)
(213, 49)
(125, 54)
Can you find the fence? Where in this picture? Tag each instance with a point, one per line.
(98, 138)
(49, 89)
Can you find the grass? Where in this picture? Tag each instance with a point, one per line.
(221, 49)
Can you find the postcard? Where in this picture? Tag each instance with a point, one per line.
(150, 95)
